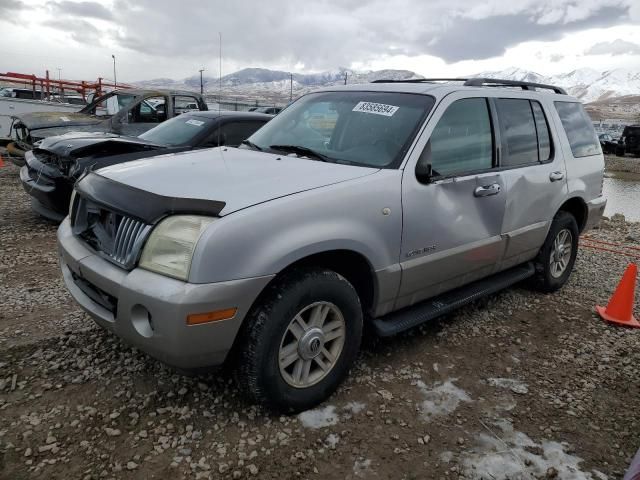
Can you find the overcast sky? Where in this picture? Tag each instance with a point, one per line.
(162, 38)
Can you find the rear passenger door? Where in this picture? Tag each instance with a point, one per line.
(451, 224)
(534, 175)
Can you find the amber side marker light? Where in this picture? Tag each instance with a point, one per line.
(200, 318)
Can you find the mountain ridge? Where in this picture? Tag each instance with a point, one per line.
(586, 84)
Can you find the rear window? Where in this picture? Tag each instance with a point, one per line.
(577, 125)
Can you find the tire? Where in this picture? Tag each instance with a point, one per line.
(619, 153)
(268, 336)
(549, 276)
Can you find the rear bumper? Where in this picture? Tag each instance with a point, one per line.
(595, 210)
(149, 310)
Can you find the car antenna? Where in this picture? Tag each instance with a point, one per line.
(220, 85)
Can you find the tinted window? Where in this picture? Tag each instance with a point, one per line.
(182, 130)
(357, 127)
(517, 131)
(542, 129)
(233, 133)
(461, 141)
(577, 125)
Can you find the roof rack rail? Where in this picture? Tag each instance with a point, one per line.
(495, 82)
(482, 82)
(421, 80)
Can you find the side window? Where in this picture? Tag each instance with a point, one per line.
(184, 103)
(462, 140)
(517, 132)
(579, 129)
(542, 129)
(150, 110)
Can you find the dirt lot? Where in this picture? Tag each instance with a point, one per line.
(521, 385)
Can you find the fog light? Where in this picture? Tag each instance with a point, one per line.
(142, 320)
(215, 316)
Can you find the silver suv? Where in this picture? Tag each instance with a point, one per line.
(386, 204)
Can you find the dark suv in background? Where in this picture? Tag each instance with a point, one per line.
(629, 141)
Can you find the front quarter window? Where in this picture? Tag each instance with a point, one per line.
(373, 129)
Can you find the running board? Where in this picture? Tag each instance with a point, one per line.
(410, 317)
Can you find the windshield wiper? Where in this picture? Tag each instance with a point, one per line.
(301, 151)
(251, 144)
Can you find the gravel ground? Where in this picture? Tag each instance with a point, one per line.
(519, 385)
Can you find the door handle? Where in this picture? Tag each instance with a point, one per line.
(487, 190)
(555, 176)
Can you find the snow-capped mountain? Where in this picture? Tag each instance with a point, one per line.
(275, 83)
(587, 84)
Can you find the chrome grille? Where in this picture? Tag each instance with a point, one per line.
(129, 234)
(115, 236)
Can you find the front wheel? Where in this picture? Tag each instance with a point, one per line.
(557, 256)
(300, 340)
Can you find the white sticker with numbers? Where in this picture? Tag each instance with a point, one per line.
(197, 123)
(376, 108)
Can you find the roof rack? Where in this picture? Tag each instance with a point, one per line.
(481, 82)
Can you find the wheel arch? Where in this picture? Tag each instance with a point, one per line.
(352, 265)
(577, 207)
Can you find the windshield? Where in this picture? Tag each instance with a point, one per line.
(180, 130)
(372, 129)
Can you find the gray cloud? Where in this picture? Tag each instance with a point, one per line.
(616, 47)
(8, 7)
(80, 9)
(490, 37)
(79, 30)
(332, 33)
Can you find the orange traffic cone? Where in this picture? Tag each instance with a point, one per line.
(620, 307)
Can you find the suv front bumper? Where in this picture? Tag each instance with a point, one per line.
(149, 310)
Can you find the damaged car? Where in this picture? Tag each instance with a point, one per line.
(123, 112)
(53, 167)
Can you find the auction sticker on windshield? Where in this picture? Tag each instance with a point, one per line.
(197, 123)
(376, 108)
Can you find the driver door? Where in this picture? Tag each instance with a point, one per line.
(143, 116)
(452, 221)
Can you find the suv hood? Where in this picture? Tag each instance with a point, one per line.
(238, 177)
(87, 143)
(38, 120)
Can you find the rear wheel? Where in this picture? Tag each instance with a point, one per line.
(300, 340)
(557, 256)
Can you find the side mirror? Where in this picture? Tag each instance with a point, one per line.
(424, 172)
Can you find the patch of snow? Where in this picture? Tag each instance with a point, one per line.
(513, 384)
(436, 367)
(332, 440)
(362, 467)
(446, 457)
(355, 407)
(441, 398)
(506, 454)
(319, 417)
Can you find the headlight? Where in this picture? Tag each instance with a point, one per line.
(170, 246)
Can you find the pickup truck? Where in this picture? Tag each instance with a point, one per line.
(125, 112)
